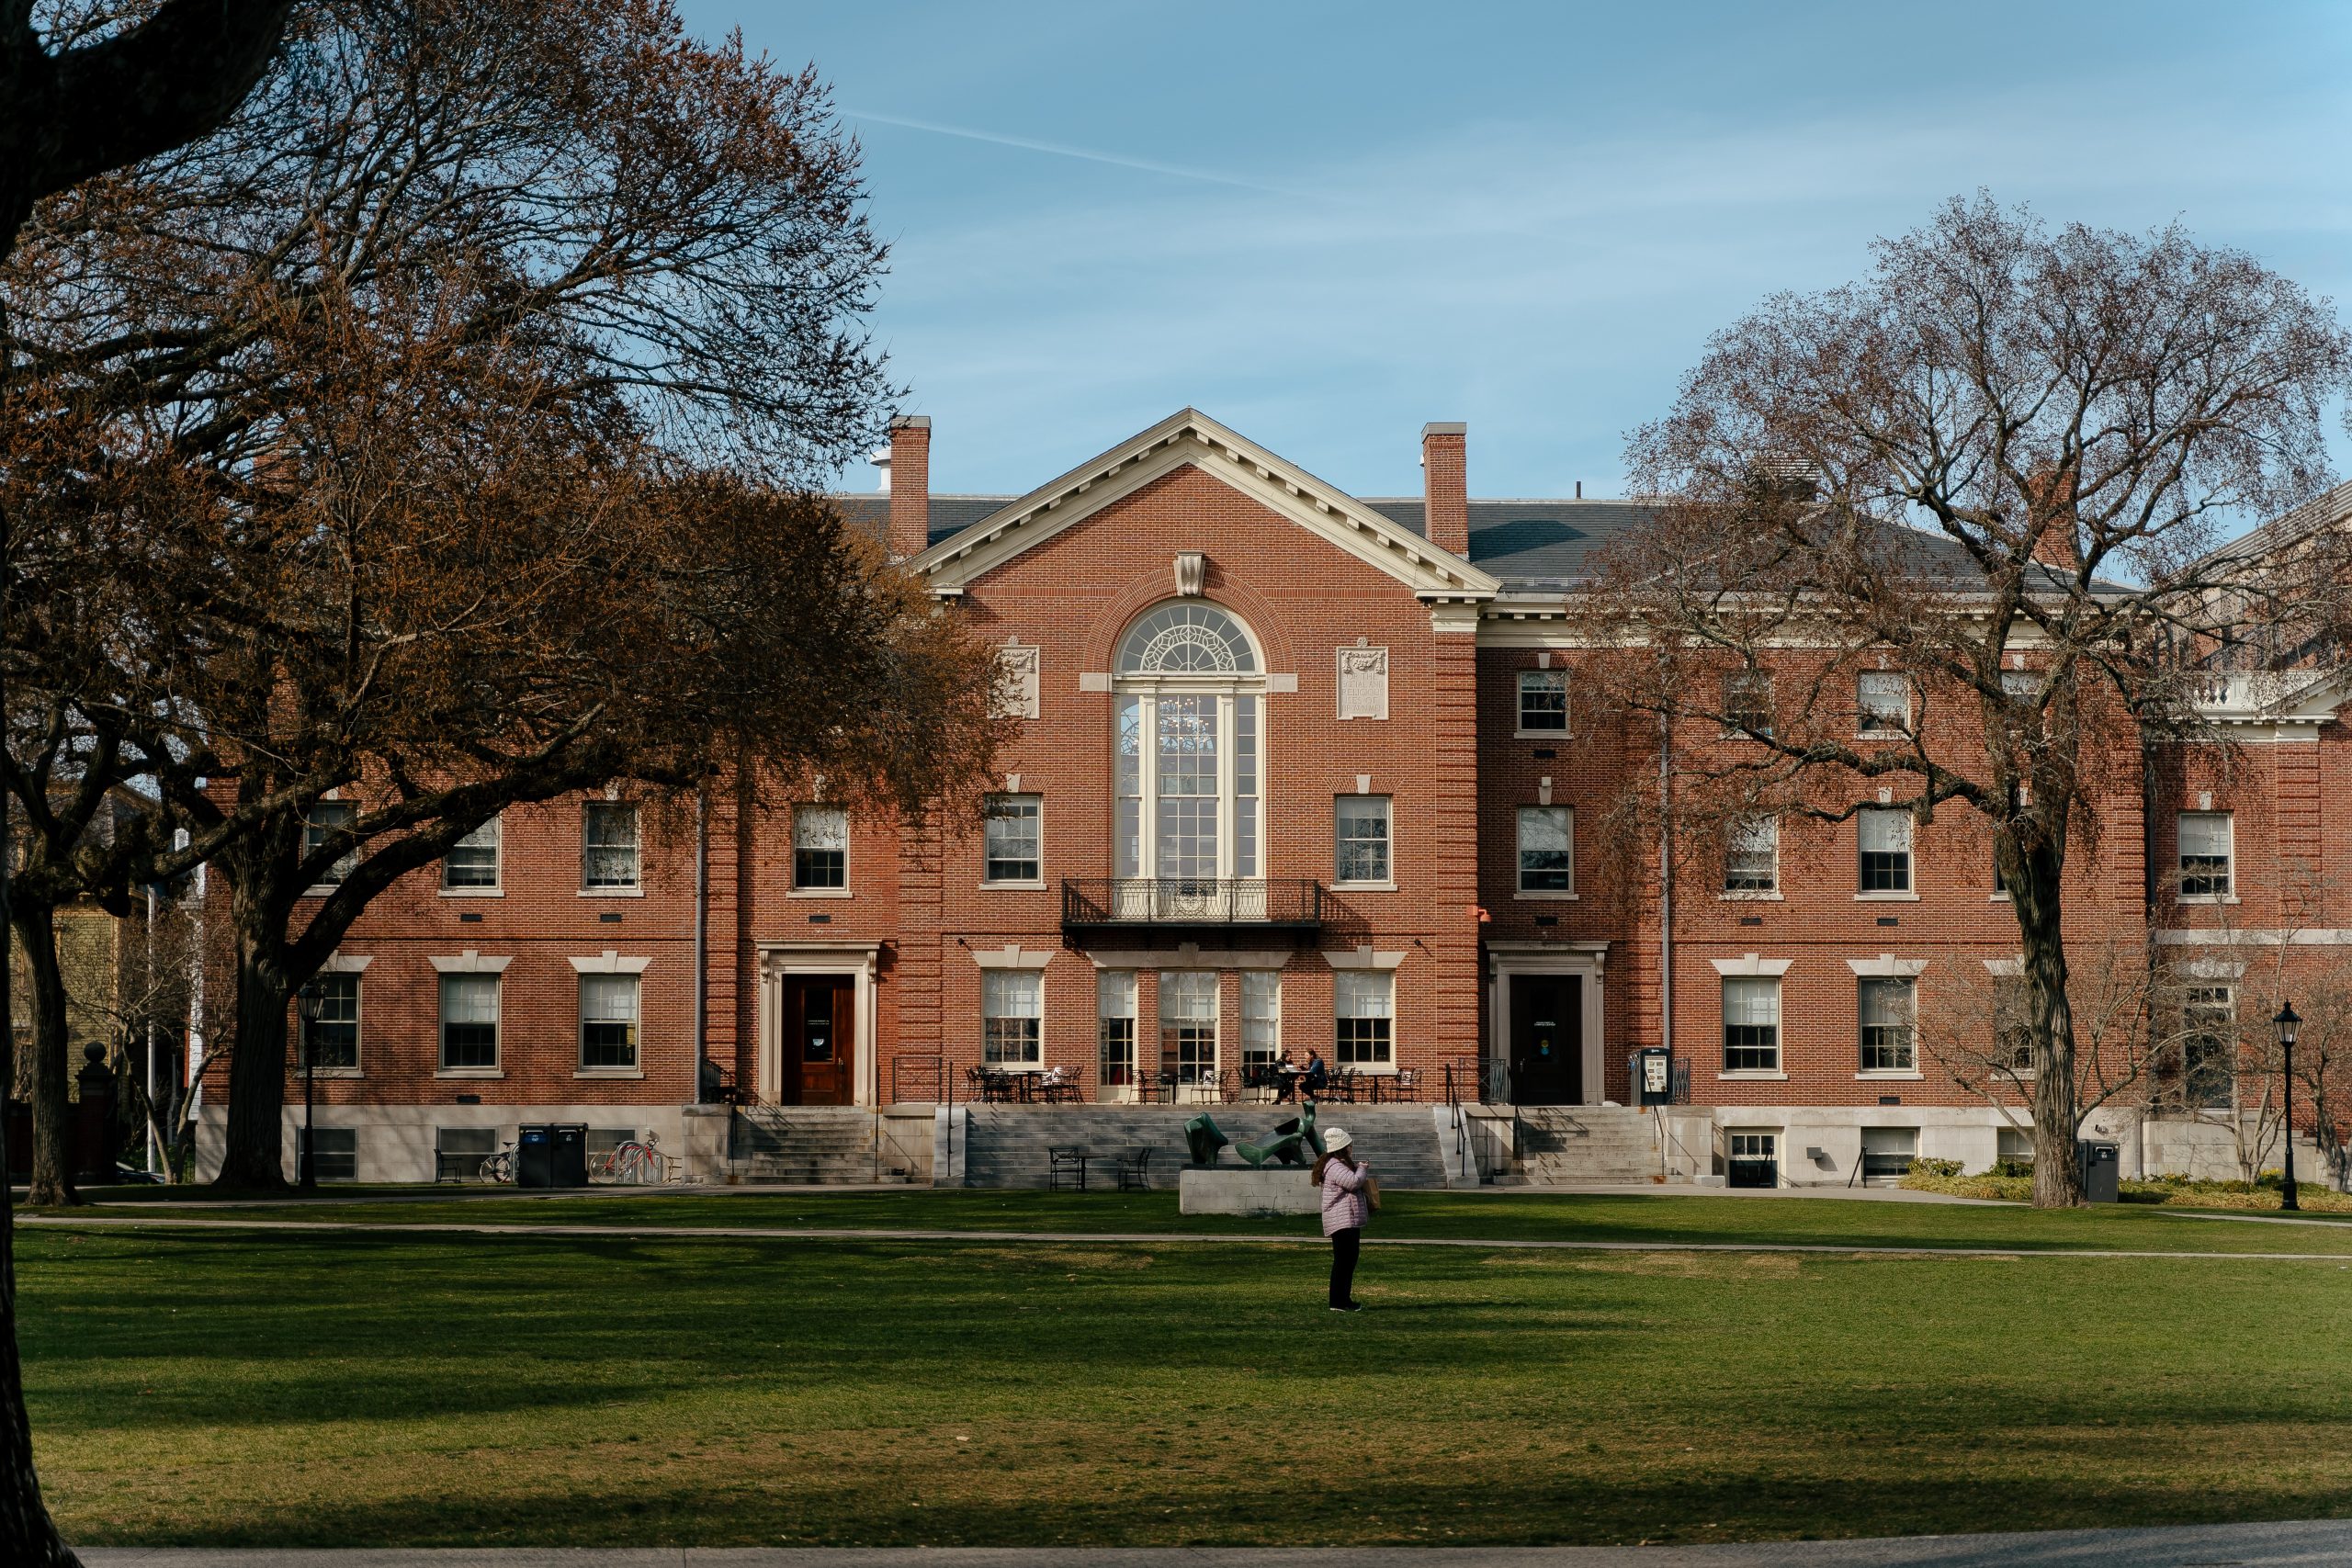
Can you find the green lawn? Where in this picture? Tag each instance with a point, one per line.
(268, 1388)
(1489, 1216)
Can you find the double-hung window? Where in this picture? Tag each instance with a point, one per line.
(1013, 1013)
(330, 1041)
(1188, 1025)
(1888, 1009)
(1751, 1023)
(1885, 837)
(472, 861)
(2209, 1047)
(1747, 702)
(468, 1022)
(1012, 828)
(1262, 1018)
(2206, 853)
(1546, 850)
(820, 849)
(1363, 1008)
(325, 819)
(1543, 702)
(1752, 856)
(1362, 826)
(608, 844)
(2012, 1024)
(1114, 1004)
(1188, 775)
(334, 1154)
(1882, 702)
(608, 1021)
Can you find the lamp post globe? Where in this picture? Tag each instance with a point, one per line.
(2289, 1024)
(307, 1004)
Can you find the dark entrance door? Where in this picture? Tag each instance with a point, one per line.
(1547, 1039)
(819, 1040)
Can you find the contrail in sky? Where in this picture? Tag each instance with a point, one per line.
(1061, 149)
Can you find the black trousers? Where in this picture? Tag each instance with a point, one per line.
(1343, 1266)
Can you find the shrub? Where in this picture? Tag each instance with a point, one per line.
(1933, 1167)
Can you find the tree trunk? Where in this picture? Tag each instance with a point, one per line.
(2057, 1115)
(27, 1536)
(254, 1153)
(51, 1061)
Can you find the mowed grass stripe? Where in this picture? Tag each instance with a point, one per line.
(393, 1387)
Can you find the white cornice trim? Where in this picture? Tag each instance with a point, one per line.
(610, 962)
(1188, 955)
(347, 963)
(2006, 968)
(470, 963)
(1364, 958)
(1749, 963)
(1190, 437)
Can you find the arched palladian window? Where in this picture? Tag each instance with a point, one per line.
(1190, 750)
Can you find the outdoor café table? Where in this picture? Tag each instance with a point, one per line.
(1062, 1160)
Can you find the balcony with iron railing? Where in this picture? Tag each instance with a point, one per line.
(1109, 904)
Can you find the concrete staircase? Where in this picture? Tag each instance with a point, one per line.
(1007, 1143)
(1576, 1145)
(815, 1145)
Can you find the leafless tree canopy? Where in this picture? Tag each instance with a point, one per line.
(1992, 479)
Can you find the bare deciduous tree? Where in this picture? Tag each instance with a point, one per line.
(1993, 475)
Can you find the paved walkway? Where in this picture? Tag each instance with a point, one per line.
(2294, 1545)
(85, 1221)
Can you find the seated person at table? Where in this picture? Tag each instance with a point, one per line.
(1316, 1076)
(1054, 1078)
(1281, 1076)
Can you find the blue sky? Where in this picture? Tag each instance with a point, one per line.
(1326, 224)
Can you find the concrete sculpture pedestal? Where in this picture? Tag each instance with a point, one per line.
(1276, 1190)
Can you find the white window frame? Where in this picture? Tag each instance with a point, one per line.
(1868, 709)
(1364, 807)
(1531, 680)
(1261, 1017)
(1906, 1140)
(358, 1006)
(321, 1154)
(1751, 987)
(2227, 892)
(1908, 1049)
(1114, 1006)
(1740, 689)
(1013, 1019)
(590, 885)
(1180, 983)
(1366, 998)
(1240, 719)
(1766, 826)
(497, 984)
(634, 985)
(1885, 814)
(489, 836)
(1026, 804)
(314, 834)
(810, 813)
(1519, 841)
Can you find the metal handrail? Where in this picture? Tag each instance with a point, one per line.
(1191, 900)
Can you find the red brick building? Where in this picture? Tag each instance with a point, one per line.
(1295, 770)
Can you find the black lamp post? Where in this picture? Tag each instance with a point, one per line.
(2288, 1023)
(306, 1002)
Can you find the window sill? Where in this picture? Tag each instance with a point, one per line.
(1881, 736)
(609, 1073)
(1998, 898)
(2215, 898)
(471, 892)
(469, 1072)
(1545, 897)
(1363, 887)
(1890, 1077)
(818, 892)
(1747, 897)
(1542, 735)
(1888, 897)
(325, 1074)
(1751, 1075)
(323, 890)
(612, 892)
(1022, 884)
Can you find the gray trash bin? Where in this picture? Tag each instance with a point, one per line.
(2100, 1169)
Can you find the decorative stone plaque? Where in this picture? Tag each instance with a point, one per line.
(1363, 682)
(1017, 686)
(1191, 573)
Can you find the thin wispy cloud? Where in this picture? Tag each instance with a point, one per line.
(1063, 150)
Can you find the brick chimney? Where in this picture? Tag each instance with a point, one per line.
(909, 480)
(2050, 500)
(1445, 487)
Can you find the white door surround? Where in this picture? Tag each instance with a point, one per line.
(860, 961)
(1585, 960)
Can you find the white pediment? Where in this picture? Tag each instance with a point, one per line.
(1190, 437)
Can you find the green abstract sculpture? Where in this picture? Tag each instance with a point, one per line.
(1203, 1136)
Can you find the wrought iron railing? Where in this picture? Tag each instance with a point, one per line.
(1191, 900)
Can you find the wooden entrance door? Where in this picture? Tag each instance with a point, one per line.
(819, 1040)
(1547, 1039)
